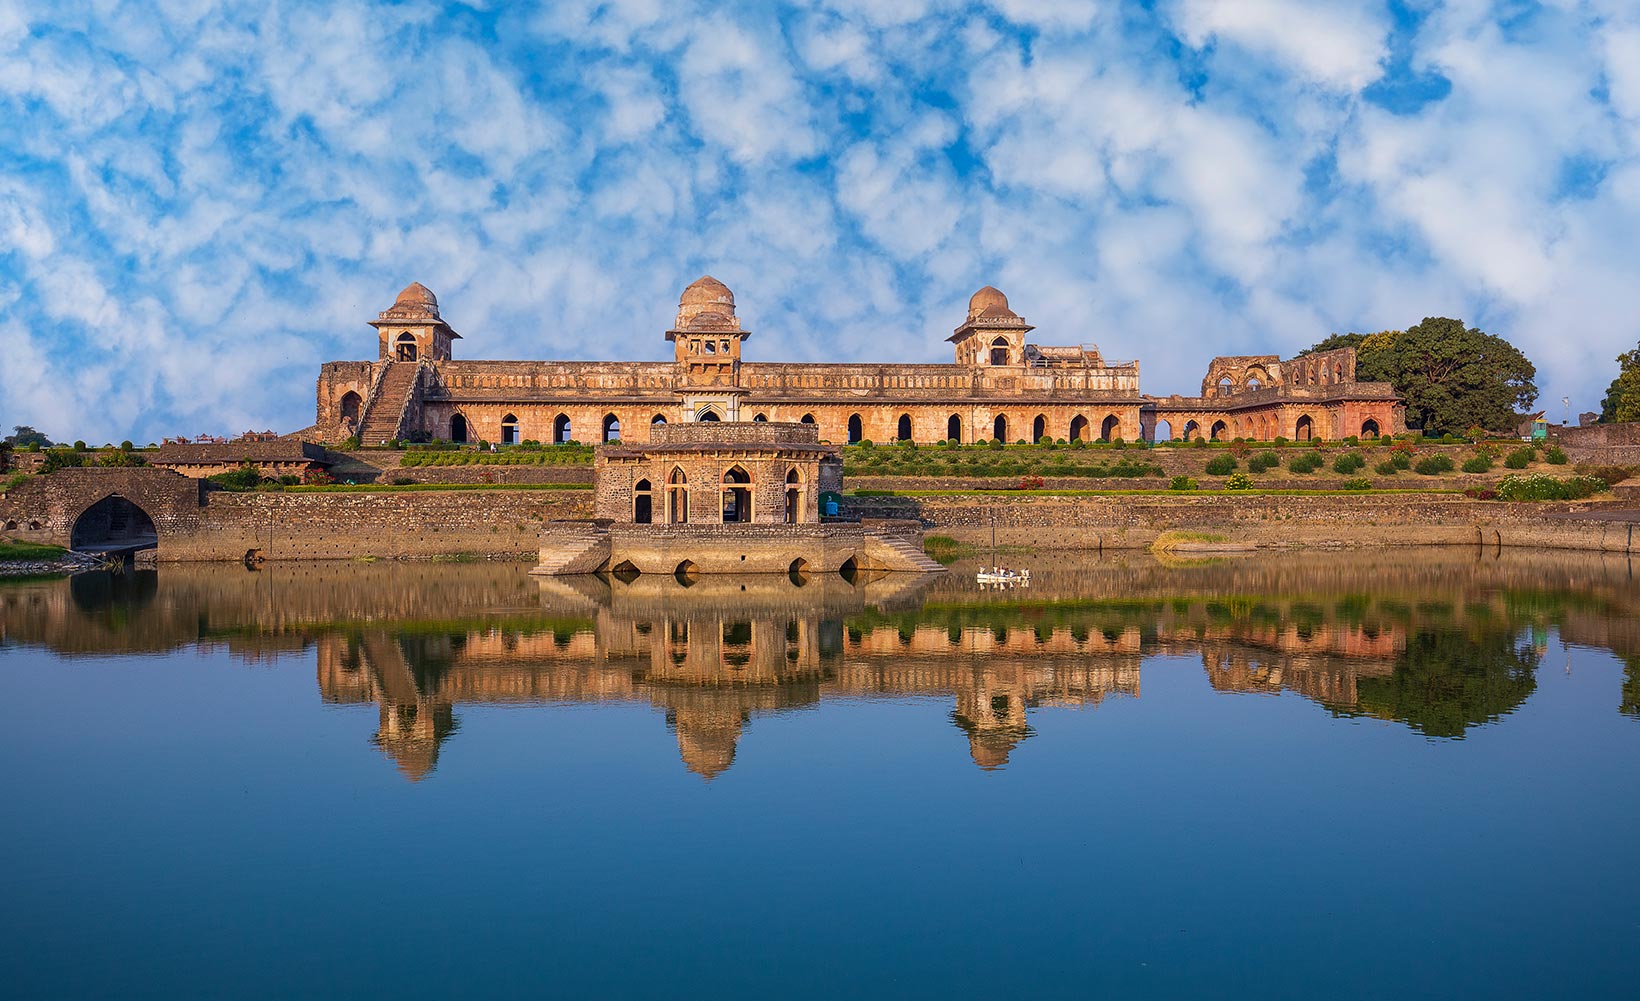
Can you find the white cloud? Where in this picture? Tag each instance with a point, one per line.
(1336, 44)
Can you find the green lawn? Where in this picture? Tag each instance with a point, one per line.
(28, 551)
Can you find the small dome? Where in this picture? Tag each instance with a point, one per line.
(416, 294)
(986, 298)
(707, 294)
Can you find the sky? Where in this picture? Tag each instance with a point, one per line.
(200, 203)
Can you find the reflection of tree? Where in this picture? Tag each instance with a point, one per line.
(1448, 681)
(1631, 687)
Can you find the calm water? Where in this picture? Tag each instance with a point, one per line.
(1318, 776)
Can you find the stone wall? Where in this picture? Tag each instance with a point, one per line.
(1600, 444)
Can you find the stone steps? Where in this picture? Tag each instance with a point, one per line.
(909, 556)
(573, 554)
(381, 422)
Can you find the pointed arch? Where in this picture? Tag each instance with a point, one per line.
(953, 428)
(677, 497)
(737, 495)
(1039, 427)
(404, 349)
(902, 429)
(561, 430)
(856, 429)
(1304, 429)
(794, 496)
(509, 430)
(1369, 428)
(999, 351)
(1109, 427)
(612, 428)
(643, 502)
(657, 419)
(999, 428)
(807, 419)
(458, 429)
(351, 404)
(1192, 430)
(1079, 428)
(1218, 431)
(760, 418)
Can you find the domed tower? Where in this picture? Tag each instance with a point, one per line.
(411, 329)
(992, 334)
(707, 336)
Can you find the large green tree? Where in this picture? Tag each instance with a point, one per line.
(1622, 401)
(23, 436)
(1452, 376)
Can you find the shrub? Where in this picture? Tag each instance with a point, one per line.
(1401, 460)
(126, 446)
(1480, 493)
(1434, 465)
(1221, 465)
(1198, 443)
(1238, 481)
(246, 477)
(1477, 464)
(351, 444)
(79, 446)
(289, 480)
(61, 458)
(1555, 456)
(118, 458)
(1118, 442)
(1539, 487)
(1519, 458)
(1182, 483)
(1304, 462)
(1045, 441)
(1359, 483)
(1030, 483)
(1348, 463)
(1386, 468)
(1609, 475)
(317, 478)
(402, 481)
(1280, 442)
(1262, 461)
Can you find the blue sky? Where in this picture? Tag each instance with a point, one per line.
(201, 202)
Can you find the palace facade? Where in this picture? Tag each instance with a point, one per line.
(999, 386)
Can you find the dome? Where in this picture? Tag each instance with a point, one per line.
(707, 294)
(986, 298)
(416, 294)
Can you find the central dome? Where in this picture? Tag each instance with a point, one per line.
(416, 294)
(984, 299)
(708, 294)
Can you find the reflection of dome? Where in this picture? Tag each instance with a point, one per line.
(417, 294)
(986, 298)
(411, 734)
(706, 739)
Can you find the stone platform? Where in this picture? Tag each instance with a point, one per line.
(577, 547)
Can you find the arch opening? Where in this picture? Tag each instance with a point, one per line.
(1304, 430)
(1369, 428)
(760, 418)
(677, 497)
(856, 429)
(643, 503)
(798, 571)
(707, 415)
(807, 419)
(561, 430)
(405, 348)
(737, 496)
(657, 419)
(113, 523)
(509, 430)
(999, 428)
(351, 405)
(612, 428)
(1039, 427)
(1218, 431)
(686, 573)
(458, 429)
(1192, 431)
(1079, 428)
(999, 351)
(1163, 430)
(1109, 427)
(953, 428)
(794, 497)
(902, 429)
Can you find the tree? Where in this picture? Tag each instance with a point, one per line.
(1451, 376)
(25, 436)
(1622, 402)
(1447, 681)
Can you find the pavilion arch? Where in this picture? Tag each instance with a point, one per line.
(687, 573)
(856, 429)
(708, 415)
(351, 404)
(509, 430)
(806, 419)
(999, 428)
(902, 429)
(677, 497)
(404, 349)
(760, 418)
(737, 495)
(612, 428)
(1226, 386)
(794, 496)
(1218, 431)
(1109, 427)
(1162, 431)
(458, 429)
(561, 429)
(643, 502)
(953, 428)
(1079, 428)
(1369, 428)
(1192, 431)
(657, 419)
(999, 351)
(1304, 430)
(1039, 427)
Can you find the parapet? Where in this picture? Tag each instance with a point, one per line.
(734, 433)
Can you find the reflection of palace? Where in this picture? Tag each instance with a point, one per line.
(1439, 645)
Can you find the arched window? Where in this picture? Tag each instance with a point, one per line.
(999, 428)
(737, 495)
(1163, 431)
(999, 351)
(1369, 428)
(1039, 427)
(509, 430)
(1304, 430)
(794, 496)
(350, 407)
(1192, 431)
(807, 419)
(1109, 427)
(856, 430)
(405, 348)
(657, 419)
(1218, 430)
(458, 429)
(560, 429)
(677, 497)
(1079, 428)
(953, 428)
(1226, 387)
(760, 418)
(1254, 383)
(902, 431)
(1338, 372)
(643, 503)
(612, 428)
(707, 414)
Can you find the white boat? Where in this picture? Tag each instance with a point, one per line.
(1003, 577)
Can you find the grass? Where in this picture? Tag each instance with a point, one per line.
(1254, 492)
(29, 551)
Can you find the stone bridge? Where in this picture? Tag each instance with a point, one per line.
(103, 510)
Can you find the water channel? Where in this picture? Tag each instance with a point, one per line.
(1327, 774)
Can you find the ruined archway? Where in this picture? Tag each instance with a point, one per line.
(612, 428)
(113, 523)
(1163, 430)
(351, 404)
(1369, 428)
(458, 429)
(1304, 430)
(856, 429)
(1218, 431)
(1079, 428)
(1192, 431)
(1109, 427)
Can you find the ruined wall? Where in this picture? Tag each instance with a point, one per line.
(1602, 444)
(44, 508)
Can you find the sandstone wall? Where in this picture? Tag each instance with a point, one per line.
(1600, 444)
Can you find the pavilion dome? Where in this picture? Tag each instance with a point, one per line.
(417, 294)
(707, 304)
(987, 298)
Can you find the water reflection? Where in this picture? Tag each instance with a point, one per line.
(1440, 645)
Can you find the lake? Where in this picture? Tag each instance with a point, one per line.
(1321, 774)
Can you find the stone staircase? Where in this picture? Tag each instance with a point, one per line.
(896, 552)
(568, 548)
(380, 424)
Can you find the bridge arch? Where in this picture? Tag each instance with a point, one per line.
(113, 522)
